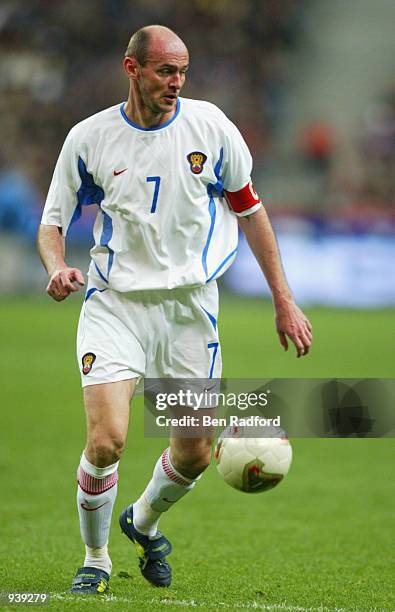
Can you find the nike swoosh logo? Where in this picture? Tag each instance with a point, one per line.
(116, 172)
(169, 501)
(92, 509)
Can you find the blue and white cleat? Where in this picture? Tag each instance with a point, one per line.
(150, 551)
(90, 581)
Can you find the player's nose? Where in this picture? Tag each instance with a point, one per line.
(175, 81)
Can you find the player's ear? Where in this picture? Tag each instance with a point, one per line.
(130, 66)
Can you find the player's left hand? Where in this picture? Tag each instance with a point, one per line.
(291, 322)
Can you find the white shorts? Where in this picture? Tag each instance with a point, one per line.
(156, 334)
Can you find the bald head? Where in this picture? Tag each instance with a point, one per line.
(156, 62)
(156, 40)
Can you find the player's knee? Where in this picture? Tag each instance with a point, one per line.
(105, 450)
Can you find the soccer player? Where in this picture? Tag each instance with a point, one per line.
(172, 181)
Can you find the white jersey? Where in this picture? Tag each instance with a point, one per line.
(163, 221)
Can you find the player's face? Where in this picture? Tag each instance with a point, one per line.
(161, 79)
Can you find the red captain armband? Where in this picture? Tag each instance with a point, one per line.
(245, 201)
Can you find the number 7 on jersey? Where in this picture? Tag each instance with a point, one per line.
(156, 180)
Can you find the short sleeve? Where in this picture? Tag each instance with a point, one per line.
(62, 201)
(238, 160)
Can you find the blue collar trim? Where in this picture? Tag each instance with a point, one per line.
(153, 129)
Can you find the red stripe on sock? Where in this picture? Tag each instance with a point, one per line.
(169, 470)
(94, 486)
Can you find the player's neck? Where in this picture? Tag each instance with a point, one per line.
(142, 116)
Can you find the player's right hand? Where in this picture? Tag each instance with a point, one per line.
(63, 282)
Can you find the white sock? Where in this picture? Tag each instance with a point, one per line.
(98, 557)
(165, 488)
(144, 518)
(97, 491)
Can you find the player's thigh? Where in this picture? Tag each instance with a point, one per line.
(109, 346)
(107, 408)
(188, 336)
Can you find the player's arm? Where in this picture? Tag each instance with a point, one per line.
(290, 320)
(59, 210)
(63, 280)
(253, 220)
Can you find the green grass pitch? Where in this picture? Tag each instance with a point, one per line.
(320, 541)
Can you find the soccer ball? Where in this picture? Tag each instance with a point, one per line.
(252, 465)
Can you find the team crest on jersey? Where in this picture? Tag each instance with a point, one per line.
(196, 159)
(87, 362)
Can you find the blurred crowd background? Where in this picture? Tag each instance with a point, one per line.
(310, 84)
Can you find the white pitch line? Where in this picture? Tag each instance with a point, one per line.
(93, 599)
(252, 605)
(191, 603)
